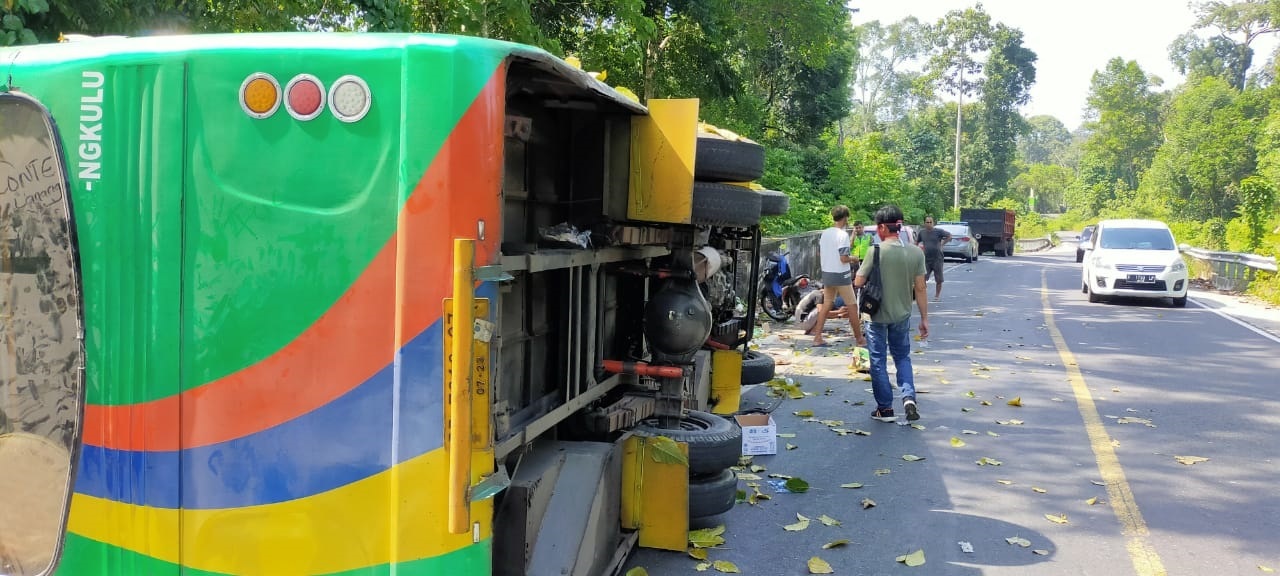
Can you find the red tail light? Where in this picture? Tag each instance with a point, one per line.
(964, 238)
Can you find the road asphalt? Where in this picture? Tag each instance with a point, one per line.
(1110, 396)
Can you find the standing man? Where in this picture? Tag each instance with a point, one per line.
(837, 276)
(931, 241)
(901, 275)
(860, 243)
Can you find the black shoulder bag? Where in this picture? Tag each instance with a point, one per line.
(872, 290)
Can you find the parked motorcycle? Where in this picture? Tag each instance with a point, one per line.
(780, 292)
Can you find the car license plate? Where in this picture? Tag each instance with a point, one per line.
(1141, 279)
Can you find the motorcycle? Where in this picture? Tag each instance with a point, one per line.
(780, 292)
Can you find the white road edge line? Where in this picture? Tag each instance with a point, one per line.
(1251, 327)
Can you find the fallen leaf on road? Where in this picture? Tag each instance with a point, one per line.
(1091, 501)
(1040, 490)
(819, 566)
(1009, 422)
(1014, 540)
(966, 409)
(1135, 420)
(697, 553)
(1040, 552)
(956, 442)
(804, 413)
(725, 566)
(707, 537)
(1017, 402)
(1005, 482)
(835, 544)
(984, 461)
(918, 426)
(842, 431)
(637, 572)
(758, 468)
(747, 476)
(985, 403)
(780, 476)
(968, 347)
(915, 558)
(943, 381)
(970, 394)
(861, 432)
(832, 423)
(1189, 460)
(797, 485)
(787, 435)
(1057, 400)
(868, 503)
(791, 446)
(702, 566)
(1098, 483)
(828, 521)
(852, 485)
(992, 434)
(798, 526)
(966, 547)
(972, 432)
(1022, 357)
(882, 471)
(1056, 518)
(912, 458)
(1264, 568)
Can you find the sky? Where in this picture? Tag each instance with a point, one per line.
(1072, 39)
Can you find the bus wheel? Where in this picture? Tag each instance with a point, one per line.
(720, 160)
(757, 368)
(712, 495)
(774, 203)
(715, 443)
(725, 205)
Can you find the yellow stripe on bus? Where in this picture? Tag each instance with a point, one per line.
(343, 529)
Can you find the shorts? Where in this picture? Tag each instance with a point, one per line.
(933, 267)
(834, 279)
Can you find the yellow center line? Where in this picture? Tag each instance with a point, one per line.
(1146, 562)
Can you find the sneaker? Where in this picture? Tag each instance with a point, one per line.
(884, 415)
(912, 413)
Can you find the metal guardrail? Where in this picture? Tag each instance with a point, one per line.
(1230, 271)
(1267, 263)
(1034, 244)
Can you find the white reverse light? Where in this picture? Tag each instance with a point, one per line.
(349, 98)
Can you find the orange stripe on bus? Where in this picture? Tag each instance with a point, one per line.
(353, 340)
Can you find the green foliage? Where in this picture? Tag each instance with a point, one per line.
(1257, 207)
(19, 21)
(1208, 149)
(1124, 118)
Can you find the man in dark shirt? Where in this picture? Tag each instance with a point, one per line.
(931, 241)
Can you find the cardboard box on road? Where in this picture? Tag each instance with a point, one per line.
(759, 434)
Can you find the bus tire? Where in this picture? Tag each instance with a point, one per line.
(757, 368)
(713, 494)
(725, 205)
(715, 443)
(720, 160)
(774, 203)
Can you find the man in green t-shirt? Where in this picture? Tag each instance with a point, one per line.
(901, 274)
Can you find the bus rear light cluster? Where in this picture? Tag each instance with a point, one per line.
(349, 98)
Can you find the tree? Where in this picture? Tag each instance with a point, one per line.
(1045, 140)
(1010, 72)
(882, 90)
(1049, 182)
(1123, 116)
(1208, 149)
(960, 36)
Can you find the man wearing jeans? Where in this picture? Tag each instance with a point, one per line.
(901, 273)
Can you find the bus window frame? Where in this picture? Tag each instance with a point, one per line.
(79, 378)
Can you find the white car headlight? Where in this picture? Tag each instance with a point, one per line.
(1178, 266)
(1101, 264)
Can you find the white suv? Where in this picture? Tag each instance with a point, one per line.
(1134, 258)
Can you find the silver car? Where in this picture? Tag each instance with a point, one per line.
(962, 244)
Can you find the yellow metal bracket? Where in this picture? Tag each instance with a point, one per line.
(663, 147)
(655, 496)
(726, 381)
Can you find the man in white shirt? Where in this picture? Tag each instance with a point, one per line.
(837, 276)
